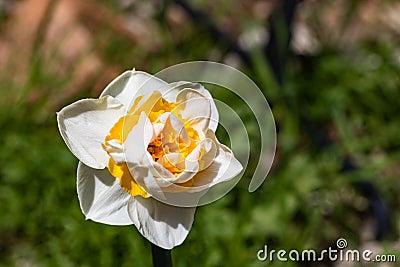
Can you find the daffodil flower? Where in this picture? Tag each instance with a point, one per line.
(147, 152)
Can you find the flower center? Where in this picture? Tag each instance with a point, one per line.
(177, 142)
(175, 139)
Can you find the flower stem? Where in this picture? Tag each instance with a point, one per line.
(161, 257)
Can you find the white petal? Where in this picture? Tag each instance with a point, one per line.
(179, 86)
(194, 108)
(163, 117)
(224, 167)
(173, 128)
(191, 165)
(210, 152)
(191, 169)
(214, 117)
(115, 150)
(157, 128)
(138, 159)
(144, 177)
(164, 225)
(136, 155)
(174, 159)
(158, 170)
(135, 146)
(130, 84)
(85, 124)
(101, 197)
(178, 127)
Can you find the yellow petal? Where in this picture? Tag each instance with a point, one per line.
(122, 128)
(127, 182)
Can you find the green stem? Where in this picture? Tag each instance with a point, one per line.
(161, 257)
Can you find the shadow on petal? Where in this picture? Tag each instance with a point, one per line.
(101, 197)
(164, 225)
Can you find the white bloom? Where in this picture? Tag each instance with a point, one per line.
(147, 152)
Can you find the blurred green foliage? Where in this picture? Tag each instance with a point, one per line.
(307, 201)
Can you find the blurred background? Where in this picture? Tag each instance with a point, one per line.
(329, 69)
